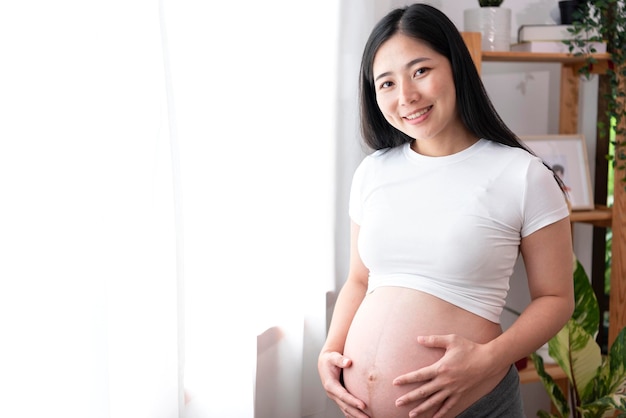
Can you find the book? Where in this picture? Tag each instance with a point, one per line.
(557, 47)
(527, 33)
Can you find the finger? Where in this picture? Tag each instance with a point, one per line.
(339, 360)
(436, 402)
(421, 375)
(346, 401)
(354, 413)
(435, 341)
(420, 393)
(352, 406)
(444, 409)
(352, 402)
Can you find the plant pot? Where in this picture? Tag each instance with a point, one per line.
(494, 24)
(567, 10)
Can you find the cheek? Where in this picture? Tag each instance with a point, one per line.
(385, 103)
(446, 94)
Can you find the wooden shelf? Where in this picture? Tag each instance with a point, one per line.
(601, 216)
(574, 62)
(507, 56)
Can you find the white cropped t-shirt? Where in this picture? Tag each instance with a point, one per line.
(451, 226)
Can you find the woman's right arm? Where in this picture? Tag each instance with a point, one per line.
(331, 360)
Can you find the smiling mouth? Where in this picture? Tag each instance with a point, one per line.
(418, 114)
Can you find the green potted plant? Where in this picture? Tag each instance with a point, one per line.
(597, 383)
(605, 21)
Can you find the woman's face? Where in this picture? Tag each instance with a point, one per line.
(415, 92)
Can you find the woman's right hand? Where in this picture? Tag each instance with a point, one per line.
(330, 365)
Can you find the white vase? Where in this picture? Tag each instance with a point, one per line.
(494, 23)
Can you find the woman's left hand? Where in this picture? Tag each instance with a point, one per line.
(447, 381)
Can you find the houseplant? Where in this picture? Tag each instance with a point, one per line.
(605, 20)
(597, 383)
(493, 22)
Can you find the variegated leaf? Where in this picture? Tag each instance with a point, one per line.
(586, 309)
(578, 354)
(554, 391)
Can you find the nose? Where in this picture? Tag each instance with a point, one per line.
(408, 93)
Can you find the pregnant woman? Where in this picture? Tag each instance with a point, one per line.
(441, 209)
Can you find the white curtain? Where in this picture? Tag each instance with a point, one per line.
(169, 192)
(173, 203)
(89, 311)
(254, 89)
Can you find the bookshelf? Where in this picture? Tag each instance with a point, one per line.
(601, 216)
(541, 57)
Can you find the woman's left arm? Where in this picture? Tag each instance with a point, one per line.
(549, 262)
(548, 259)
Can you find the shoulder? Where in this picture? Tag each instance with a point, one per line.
(381, 157)
(498, 149)
(516, 167)
(515, 159)
(387, 153)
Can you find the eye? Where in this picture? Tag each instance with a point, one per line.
(385, 85)
(420, 72)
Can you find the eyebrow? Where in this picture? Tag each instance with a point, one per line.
(408, 65)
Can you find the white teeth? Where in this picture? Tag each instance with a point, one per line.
(418, 114)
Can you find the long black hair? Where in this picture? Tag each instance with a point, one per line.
(427, 24)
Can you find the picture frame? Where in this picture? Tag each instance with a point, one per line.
(567, 156)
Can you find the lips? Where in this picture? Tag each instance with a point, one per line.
(417, 114)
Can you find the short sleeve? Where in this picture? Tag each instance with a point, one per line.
(355, 205)
(544, 202)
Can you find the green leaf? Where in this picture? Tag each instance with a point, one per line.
(614, 371)
(554, 391)
(603, 407)
(578, 354)
(598, 383)
(586, 310)
(617, 355)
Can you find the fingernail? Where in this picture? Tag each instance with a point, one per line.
(399, 402)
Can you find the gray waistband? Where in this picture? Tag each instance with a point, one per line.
(504, 401)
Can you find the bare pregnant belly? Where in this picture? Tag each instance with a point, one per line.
(382, 343)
